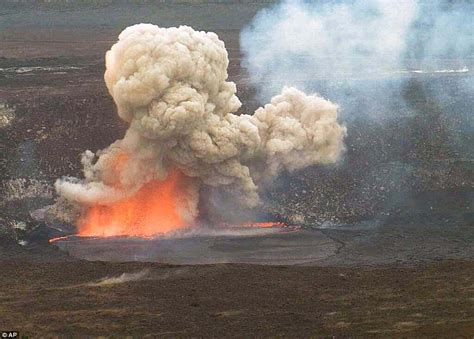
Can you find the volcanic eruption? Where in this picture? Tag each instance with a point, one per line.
(170, 85)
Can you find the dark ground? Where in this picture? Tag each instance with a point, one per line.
(391, 227)
(432, 300)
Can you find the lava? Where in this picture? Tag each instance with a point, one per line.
(153, 210)
(265, 224)
(52, 240)
(259, 224)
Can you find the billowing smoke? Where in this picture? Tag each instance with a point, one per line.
(170, 85)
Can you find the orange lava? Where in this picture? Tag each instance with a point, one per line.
(52, 240)
(265, 224)
(153, 210)
(261, 224)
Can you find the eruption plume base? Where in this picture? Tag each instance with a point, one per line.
(152, 210)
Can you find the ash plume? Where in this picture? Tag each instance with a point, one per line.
(170, 85)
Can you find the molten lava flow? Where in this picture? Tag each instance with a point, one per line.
(153, 210)
(264, 224)
(260, 224)
(52, 240)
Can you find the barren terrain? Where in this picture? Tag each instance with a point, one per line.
(237, 300)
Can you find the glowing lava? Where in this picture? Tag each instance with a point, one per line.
(256, 224)
(265, 224)
(153, 210)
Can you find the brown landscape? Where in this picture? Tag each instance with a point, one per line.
(237, 300)
(381, 245)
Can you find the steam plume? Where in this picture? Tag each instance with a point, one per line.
(295, 41)
(334, 45)
(170, 85)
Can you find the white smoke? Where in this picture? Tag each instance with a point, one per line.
(441, 38)
(357, 51)
(170, 85)
(294, 41)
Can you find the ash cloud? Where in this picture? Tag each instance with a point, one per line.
(170, 85)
